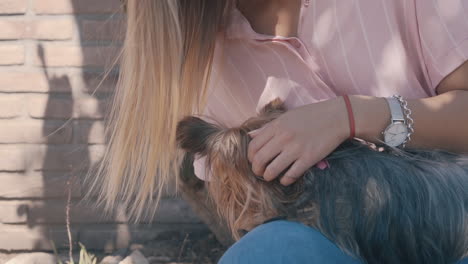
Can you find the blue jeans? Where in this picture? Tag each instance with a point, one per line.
(282, 241)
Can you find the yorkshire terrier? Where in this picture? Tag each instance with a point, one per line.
(389, 206)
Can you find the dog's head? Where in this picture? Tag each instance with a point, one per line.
(243, 199)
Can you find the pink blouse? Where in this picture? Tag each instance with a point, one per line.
(366, 47)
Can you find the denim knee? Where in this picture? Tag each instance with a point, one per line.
(283, 241)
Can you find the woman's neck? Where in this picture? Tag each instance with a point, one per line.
(272, 17)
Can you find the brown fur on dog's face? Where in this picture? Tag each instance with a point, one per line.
(241, 198)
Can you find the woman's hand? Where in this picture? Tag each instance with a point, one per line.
(299, 138)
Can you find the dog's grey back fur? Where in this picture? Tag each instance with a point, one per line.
(390, 207)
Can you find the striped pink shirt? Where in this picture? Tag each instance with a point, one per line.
(366, 47)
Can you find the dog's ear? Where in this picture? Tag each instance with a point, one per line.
(193, 134)
(274, 106)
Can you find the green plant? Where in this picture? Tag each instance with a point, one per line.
(85, 256)
(59, 261)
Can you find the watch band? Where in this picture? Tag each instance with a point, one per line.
(408, 121)
(395, 109)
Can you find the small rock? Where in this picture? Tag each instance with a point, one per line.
(33, 258)
(136, 247)
(111, 260)
(135, 258)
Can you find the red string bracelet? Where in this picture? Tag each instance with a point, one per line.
(350, 117)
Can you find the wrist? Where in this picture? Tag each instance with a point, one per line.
(371, 115)
(342, 118)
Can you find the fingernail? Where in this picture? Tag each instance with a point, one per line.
(252, 132)
(255, 131)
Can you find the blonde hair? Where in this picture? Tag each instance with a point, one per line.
(165, 66)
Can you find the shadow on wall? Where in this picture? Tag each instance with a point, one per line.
(70, 114)
(68, 152)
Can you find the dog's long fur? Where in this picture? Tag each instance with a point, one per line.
(381, 206)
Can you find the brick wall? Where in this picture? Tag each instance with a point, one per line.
(52, 55)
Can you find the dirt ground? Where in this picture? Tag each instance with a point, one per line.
(198, 247)
(201, 247)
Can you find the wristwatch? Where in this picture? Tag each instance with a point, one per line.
(397, 132)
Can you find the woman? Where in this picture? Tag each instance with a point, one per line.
(226, 59)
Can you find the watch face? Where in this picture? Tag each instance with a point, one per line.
(395, 134)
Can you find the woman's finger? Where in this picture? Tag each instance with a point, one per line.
(255, 132)
(279, 164)
(285, 180)
(258, 142)
(295, 172)
(265, 154)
